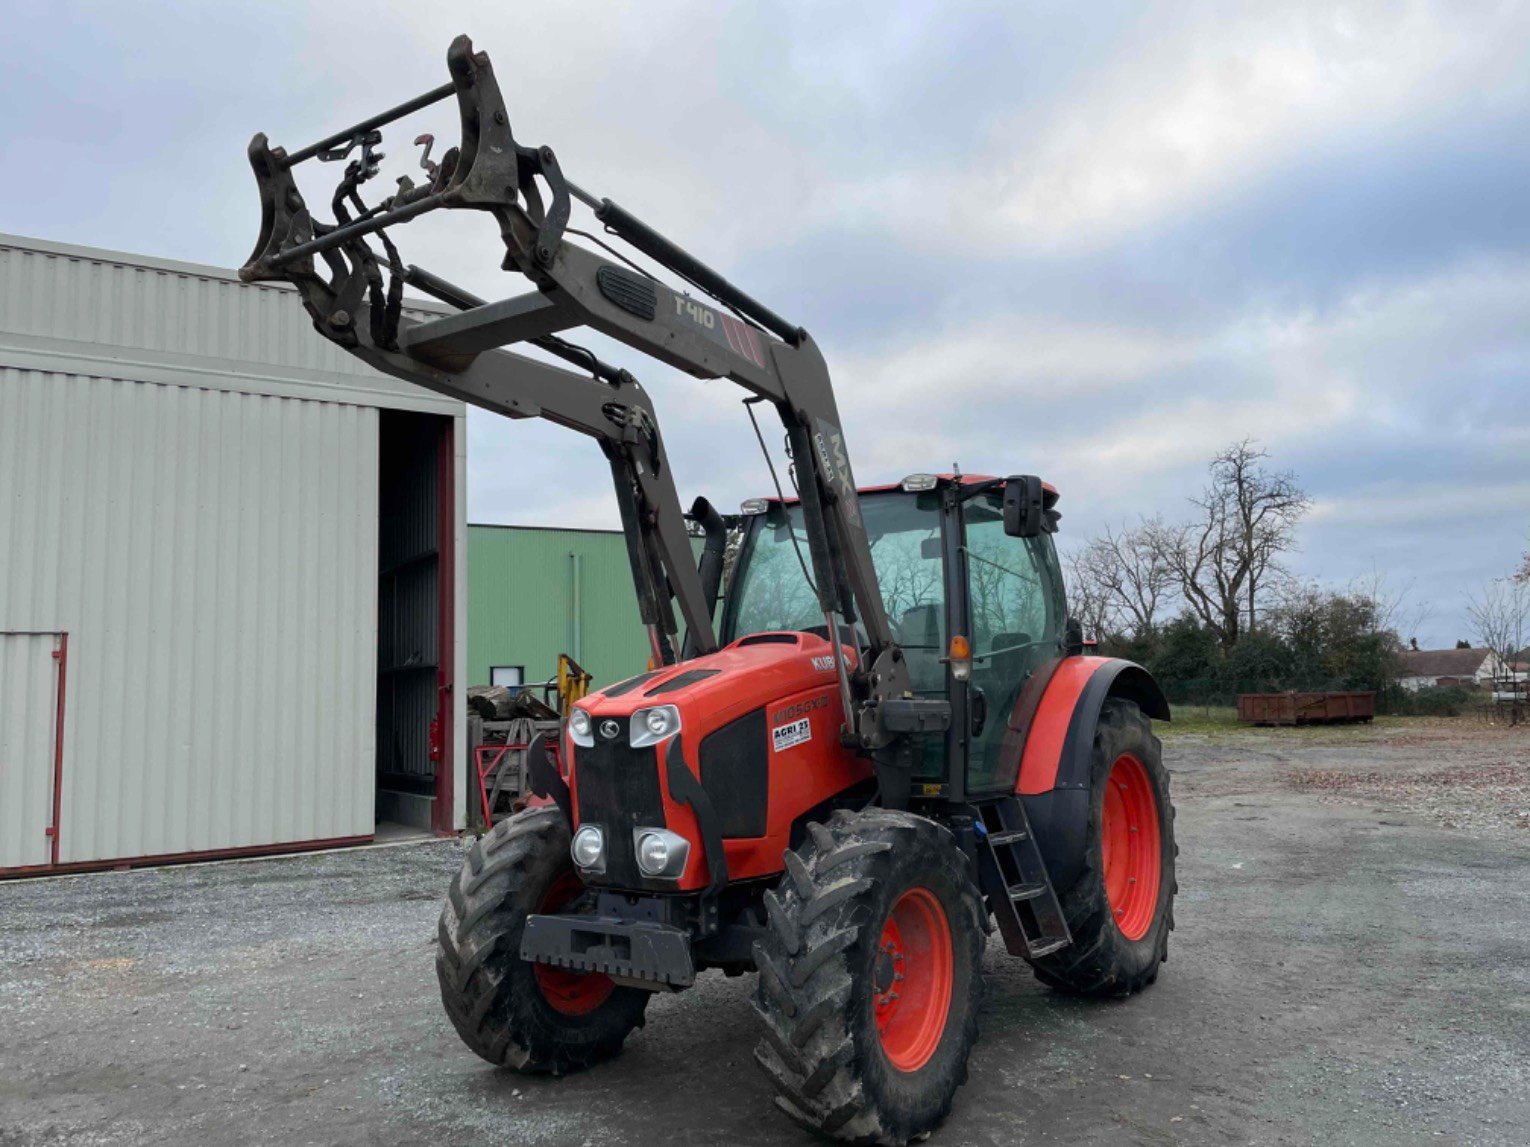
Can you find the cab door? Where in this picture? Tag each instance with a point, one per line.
(1014, 622)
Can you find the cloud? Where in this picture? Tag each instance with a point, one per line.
(1093, 244)
(1406, 503)
(1210, 101)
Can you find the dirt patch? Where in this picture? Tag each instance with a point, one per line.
(1348, 967)
(1491, 798)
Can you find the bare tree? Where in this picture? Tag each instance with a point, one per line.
(1500, 613)
(1085, 599)
(1129, 575)
(1232, 549)
(1391, 609)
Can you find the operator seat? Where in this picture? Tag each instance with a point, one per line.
(921, 640)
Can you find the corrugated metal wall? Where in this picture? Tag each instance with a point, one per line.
(255, 433)
(524, 607)
(93, 298)
(28, 723)
(212, 556)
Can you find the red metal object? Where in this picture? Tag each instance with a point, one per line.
(442, 818)
(883, 487)
(165, 858)
(1130, 846)
(912, 978)
(1317, 708)
(487, 758)
(433, 738)
(791, 676)
(61, 655)
(1049, 726)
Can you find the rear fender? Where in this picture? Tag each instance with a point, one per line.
(1059, 749)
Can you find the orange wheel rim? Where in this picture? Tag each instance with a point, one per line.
(911, 979)
(1130, 846)
(569, 993)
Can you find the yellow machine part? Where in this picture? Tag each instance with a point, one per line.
(573, 683)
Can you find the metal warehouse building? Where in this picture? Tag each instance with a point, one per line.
(230, 593)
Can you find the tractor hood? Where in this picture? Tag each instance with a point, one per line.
(750, 743)
(746, 675)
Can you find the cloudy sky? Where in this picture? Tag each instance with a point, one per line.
(1096, 242)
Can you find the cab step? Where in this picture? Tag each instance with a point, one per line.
(998, 838)
(1015, 881)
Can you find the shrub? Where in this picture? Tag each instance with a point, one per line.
(1434, 701)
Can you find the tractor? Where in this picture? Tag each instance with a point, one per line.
(869, 734)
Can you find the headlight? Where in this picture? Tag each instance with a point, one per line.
(653, 854)
(579, 729)
(660, 852)
(589, 848)
(650, 726)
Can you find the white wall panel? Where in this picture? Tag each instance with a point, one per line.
(213, 557)
(85, 311)
(28, 721)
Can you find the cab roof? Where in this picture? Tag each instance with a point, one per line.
(941, 479)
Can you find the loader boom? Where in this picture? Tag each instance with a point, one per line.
(741, 340)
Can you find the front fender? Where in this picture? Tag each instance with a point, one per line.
(1057, 756)
(1060, 740)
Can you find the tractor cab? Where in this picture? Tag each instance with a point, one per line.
(947, 568)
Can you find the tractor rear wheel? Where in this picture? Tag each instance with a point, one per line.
(528, 1017)
(1121, 908)
(871, 977)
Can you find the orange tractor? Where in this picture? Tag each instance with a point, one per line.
(880, 739)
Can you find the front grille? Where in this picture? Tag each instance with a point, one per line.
(735, 771)
(618, 789)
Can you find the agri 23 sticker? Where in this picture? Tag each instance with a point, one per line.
(792, 733)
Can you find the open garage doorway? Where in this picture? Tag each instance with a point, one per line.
(415, 622)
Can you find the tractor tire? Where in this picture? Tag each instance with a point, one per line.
(531, 1018)
(1120, 910)
(870, 978)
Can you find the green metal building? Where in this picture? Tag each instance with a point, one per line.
(533, 593)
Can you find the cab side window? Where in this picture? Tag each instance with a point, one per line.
(1016, 608)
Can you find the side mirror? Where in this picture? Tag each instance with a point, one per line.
(1024, 516)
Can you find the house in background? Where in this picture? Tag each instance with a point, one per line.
(1474, 668)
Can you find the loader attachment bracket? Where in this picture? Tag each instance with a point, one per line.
(487, 171)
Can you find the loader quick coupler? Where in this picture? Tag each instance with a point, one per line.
(488, 171)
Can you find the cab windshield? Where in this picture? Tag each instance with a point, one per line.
(770, 590)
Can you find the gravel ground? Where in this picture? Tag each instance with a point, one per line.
(1350, 967)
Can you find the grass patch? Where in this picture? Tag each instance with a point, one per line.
(1199, 720)
(1222, 720)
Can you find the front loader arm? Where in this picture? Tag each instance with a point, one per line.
(741, 340)
(620, 417)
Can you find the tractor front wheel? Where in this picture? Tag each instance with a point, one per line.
(1121, 908)
(528, 1017)
(871, 977)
